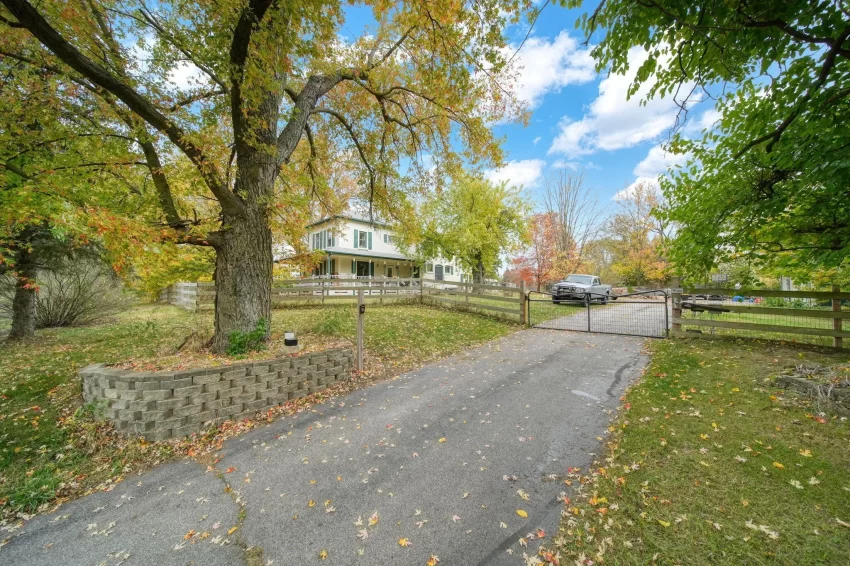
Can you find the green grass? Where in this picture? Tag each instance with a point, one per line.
(52, 447)
(706, 451)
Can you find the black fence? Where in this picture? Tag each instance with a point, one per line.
(634, 314)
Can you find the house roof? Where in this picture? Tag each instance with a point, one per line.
(365, 253)
(347, 217)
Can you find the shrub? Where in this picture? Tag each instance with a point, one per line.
(77, 294)
(250, 341)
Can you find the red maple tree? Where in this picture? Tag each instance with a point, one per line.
(536, 265)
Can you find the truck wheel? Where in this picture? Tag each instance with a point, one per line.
(556, 302)
(605, 299)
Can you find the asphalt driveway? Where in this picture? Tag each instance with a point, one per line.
(635, 317)
(442, 458)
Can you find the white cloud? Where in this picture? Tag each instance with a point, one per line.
(707, 120)
(536, 140)
(657, 161)
(654, 166)
(562, 164)
(549, 65)
(186, 75)
(629, 191)
(525, 173)
(613, 122)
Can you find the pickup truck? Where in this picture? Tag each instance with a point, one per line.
(581, 288)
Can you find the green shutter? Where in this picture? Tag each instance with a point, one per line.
(356, 238)
(371, 266)
(370, 240)
(353, 267)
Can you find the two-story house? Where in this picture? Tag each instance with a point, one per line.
(362, 248)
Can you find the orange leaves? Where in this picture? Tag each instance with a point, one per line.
(404, 542)
(432, 561)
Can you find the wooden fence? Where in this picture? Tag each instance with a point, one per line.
(497, 300)
(803, 316)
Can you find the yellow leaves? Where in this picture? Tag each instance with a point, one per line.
(433, 561)
(232, 530)
(373, 520)
(189, 535)
(404, 542)
(522, 513)
(806, 453)
(704, 463)
(664, 524)
(778, 466)
(704, 436)
(323, 555)
(522, 494)
(441, 440)
(311, 503)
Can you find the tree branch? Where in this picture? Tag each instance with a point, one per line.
(31, 19)
(164, 33)
(360, 150)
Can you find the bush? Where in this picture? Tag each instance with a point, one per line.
(251, 341)
(77, 294)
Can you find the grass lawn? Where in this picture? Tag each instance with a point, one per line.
(51, 446)
(710, 463)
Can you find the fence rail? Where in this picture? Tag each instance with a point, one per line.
(805, 316)
(495, 300)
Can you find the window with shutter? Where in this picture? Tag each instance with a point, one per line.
(370, 240)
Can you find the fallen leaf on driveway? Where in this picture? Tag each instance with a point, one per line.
(522, 513)
(404, 542)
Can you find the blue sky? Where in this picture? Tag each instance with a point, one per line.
(580, 119)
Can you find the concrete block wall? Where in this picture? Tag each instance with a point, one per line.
(171, 404)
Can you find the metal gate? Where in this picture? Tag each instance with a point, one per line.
(634, 314)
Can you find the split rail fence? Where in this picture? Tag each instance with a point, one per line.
(816, 317)
(494, 300)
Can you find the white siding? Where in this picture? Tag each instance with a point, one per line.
(343, 229)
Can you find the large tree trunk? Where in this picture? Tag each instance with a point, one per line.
(24, 303)
(478, 274)
(244, 262)
(243, 276)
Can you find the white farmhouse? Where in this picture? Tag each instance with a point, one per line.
(354, 247)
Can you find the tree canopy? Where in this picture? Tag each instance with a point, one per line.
(281, 112)
(475, 221)
(771, 179)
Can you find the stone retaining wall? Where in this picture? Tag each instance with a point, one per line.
(166, 404)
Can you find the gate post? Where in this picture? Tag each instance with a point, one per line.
(523, 304)
(587, 304)
(676, 291)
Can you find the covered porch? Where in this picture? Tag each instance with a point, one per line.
(368, 265)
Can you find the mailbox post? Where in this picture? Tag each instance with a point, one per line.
(361, 314)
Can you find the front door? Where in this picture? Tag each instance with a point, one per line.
(438, 272)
